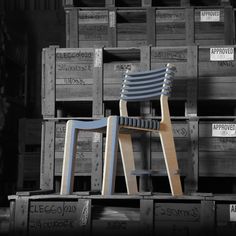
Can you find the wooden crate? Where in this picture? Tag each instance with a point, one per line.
(92, 77)
(217, 148)
(80, 75)
(143, 3)
(149, 26)
(74, 79)
(122, 214)
(216, 73)
(201, 149)
(29, 153)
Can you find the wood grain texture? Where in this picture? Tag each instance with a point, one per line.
(110, 157)
(168, 147)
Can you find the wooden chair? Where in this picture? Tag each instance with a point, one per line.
(140, 86)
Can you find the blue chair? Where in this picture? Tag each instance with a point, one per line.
(140, 86)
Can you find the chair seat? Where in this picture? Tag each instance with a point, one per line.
(139, 123)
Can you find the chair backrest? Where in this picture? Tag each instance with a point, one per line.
(148, 85)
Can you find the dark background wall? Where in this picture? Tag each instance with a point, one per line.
(26, 28)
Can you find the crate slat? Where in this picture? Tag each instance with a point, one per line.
(145, 26)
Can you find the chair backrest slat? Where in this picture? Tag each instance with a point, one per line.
(143, 86)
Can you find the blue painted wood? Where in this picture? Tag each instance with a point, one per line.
(142, 92)
(142, 86)
(89, 125)
(149, 77)
(144, 97)
(139, 123)
(147, 85)
(130, 122)
(113, 154)
(126, 121)
(121, 120)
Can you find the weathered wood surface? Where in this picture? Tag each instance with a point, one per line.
(75, 79)
(141, 3)
(216, 154)
(29, 152)
(177, 218)
(121, 214)
(209, 26)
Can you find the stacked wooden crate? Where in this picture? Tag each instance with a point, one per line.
(83, 80)
(29, 154)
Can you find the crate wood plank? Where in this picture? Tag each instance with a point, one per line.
(97, 162)
(116, 220)
(131, 28)
(170, 27)
(53, 217)
(223, 224)
(84, 216)
(215, 76)
(47, 156)
(218, 68)
(72, 29)
(146, 3)
(12, 217)
(151, 29)
(213, 164)
(205, 128)
(191, 183)
(177, 218)
(185, 3)
(213, 27)
(190, 33)
(21, 217)
(29, 135)
(147, 216)
(92, 26)
(207, 217)
(110, 3)
(112, 29)
(74, 74)
(49, 82)
(28, 170)
(68, 3)
(228, 32)
(192, 74)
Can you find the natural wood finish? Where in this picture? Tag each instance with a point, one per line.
(110, 157)
(127, 155)
(67, 181)
(168, 147)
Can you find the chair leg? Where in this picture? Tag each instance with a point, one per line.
(67, 180)
(110, 157)
(127, 156)
(168, 147)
